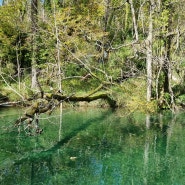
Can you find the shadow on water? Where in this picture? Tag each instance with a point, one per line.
(37, 164)
(46, 154)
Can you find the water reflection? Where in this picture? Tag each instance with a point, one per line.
(96, 147)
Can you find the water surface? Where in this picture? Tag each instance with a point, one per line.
(94, 147)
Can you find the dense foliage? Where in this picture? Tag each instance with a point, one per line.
(131, 49)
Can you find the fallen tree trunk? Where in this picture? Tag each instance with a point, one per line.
(49, 102)
(90, 98)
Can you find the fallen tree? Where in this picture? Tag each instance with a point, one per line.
(74, 98)
(49, 102)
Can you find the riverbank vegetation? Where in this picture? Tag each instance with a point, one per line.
(128, 53)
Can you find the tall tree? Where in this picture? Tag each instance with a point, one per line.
(136, 35)
(34, 28)
(149, 51)
(58, 49)
(168, 45)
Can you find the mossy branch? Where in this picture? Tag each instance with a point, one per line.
(88, 98)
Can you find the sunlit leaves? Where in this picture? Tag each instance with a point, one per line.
(11, 26)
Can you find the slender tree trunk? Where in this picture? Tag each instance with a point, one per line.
(149, 55)
(167, 63)
(34, 27)
(58, 50)
(18, 67)
(126, 16)
(141, 15)
(168, 71)
(134, 19)
(161, 60)
(105, 42)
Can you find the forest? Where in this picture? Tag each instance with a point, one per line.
(92, 92)
(125, 54)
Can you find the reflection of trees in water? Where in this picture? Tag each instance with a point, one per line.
(107, 152)
(146, 150)
(158, 142)
(37, 166)
(41, 171)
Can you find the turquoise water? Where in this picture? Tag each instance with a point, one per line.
(94, 147)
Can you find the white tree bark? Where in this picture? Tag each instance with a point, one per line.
(34, 20)
(134, 19)
(149, 54)
(58, 49)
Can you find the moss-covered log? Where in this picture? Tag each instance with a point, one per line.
(74, 98)
(51, 101)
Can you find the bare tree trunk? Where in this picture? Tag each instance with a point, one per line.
(134, 19)
(161, 60)
(167, 63)
(58, 50)
(18, 67)
(170, 86)
(149, 54)
(168, 71)
(34, 27)
(127, 9)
